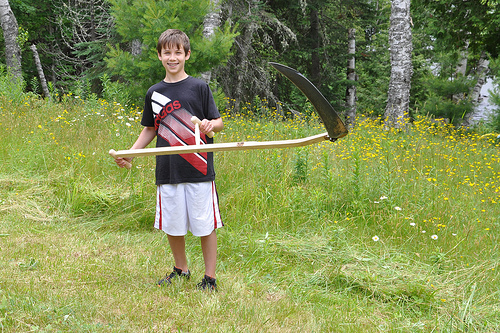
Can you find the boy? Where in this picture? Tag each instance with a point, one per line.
(186, 195)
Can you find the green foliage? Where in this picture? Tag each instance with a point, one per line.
(71, 37)
(9, 88)
(449, 88)
(453, 23)
(300, 166)
(310, 36)
(495, 119)
(437, 89)
(35, 85)
(446, 98)
(22, 37)
(444, 33)
(438, 107)
(372, 66)
(83, 89)
(144, 21)
(114, 91)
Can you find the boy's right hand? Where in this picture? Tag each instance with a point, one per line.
(146, 136)
(124, 162)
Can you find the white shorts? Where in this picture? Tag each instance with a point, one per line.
(187, 206)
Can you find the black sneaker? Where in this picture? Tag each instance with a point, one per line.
(175, 273)
(207, 283)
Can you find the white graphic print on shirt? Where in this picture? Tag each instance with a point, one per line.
(173, 124)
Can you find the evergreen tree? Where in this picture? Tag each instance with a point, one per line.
(373, 62)
(140, 22)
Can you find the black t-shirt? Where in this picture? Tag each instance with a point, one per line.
(169, 107)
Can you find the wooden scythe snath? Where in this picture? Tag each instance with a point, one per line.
(333, 124)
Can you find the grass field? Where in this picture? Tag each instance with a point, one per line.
(380, 231)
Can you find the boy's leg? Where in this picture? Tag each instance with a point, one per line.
(209, 249)
(178, 248)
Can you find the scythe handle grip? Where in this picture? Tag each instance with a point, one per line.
(196, 120)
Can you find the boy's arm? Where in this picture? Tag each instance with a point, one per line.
(215, 125)
(147, 135)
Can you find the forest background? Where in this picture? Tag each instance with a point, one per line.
(101, 48)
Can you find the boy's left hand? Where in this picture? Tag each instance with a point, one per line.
(206, 126)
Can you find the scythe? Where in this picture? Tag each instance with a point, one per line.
(332, 122)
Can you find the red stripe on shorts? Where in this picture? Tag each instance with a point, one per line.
(160, 212)
(214, 195)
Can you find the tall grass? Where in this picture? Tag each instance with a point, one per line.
(379, 231)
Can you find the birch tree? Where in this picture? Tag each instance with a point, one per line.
(461, 70)
(400, 40)
(41, 75)
(351, 76)
(10, 34)
(481, 71)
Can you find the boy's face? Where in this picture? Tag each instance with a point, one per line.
(173, 59)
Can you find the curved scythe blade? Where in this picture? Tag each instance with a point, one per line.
(333, 124)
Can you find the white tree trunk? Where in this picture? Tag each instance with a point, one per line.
(212, 21)
(462, 68)
(481, 71)
(400, 39)
(136, 47)
(351, 76)
(462, 64)
(10, 33)
(41, 75)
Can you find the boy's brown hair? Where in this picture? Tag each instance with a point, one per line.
(173, 37)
